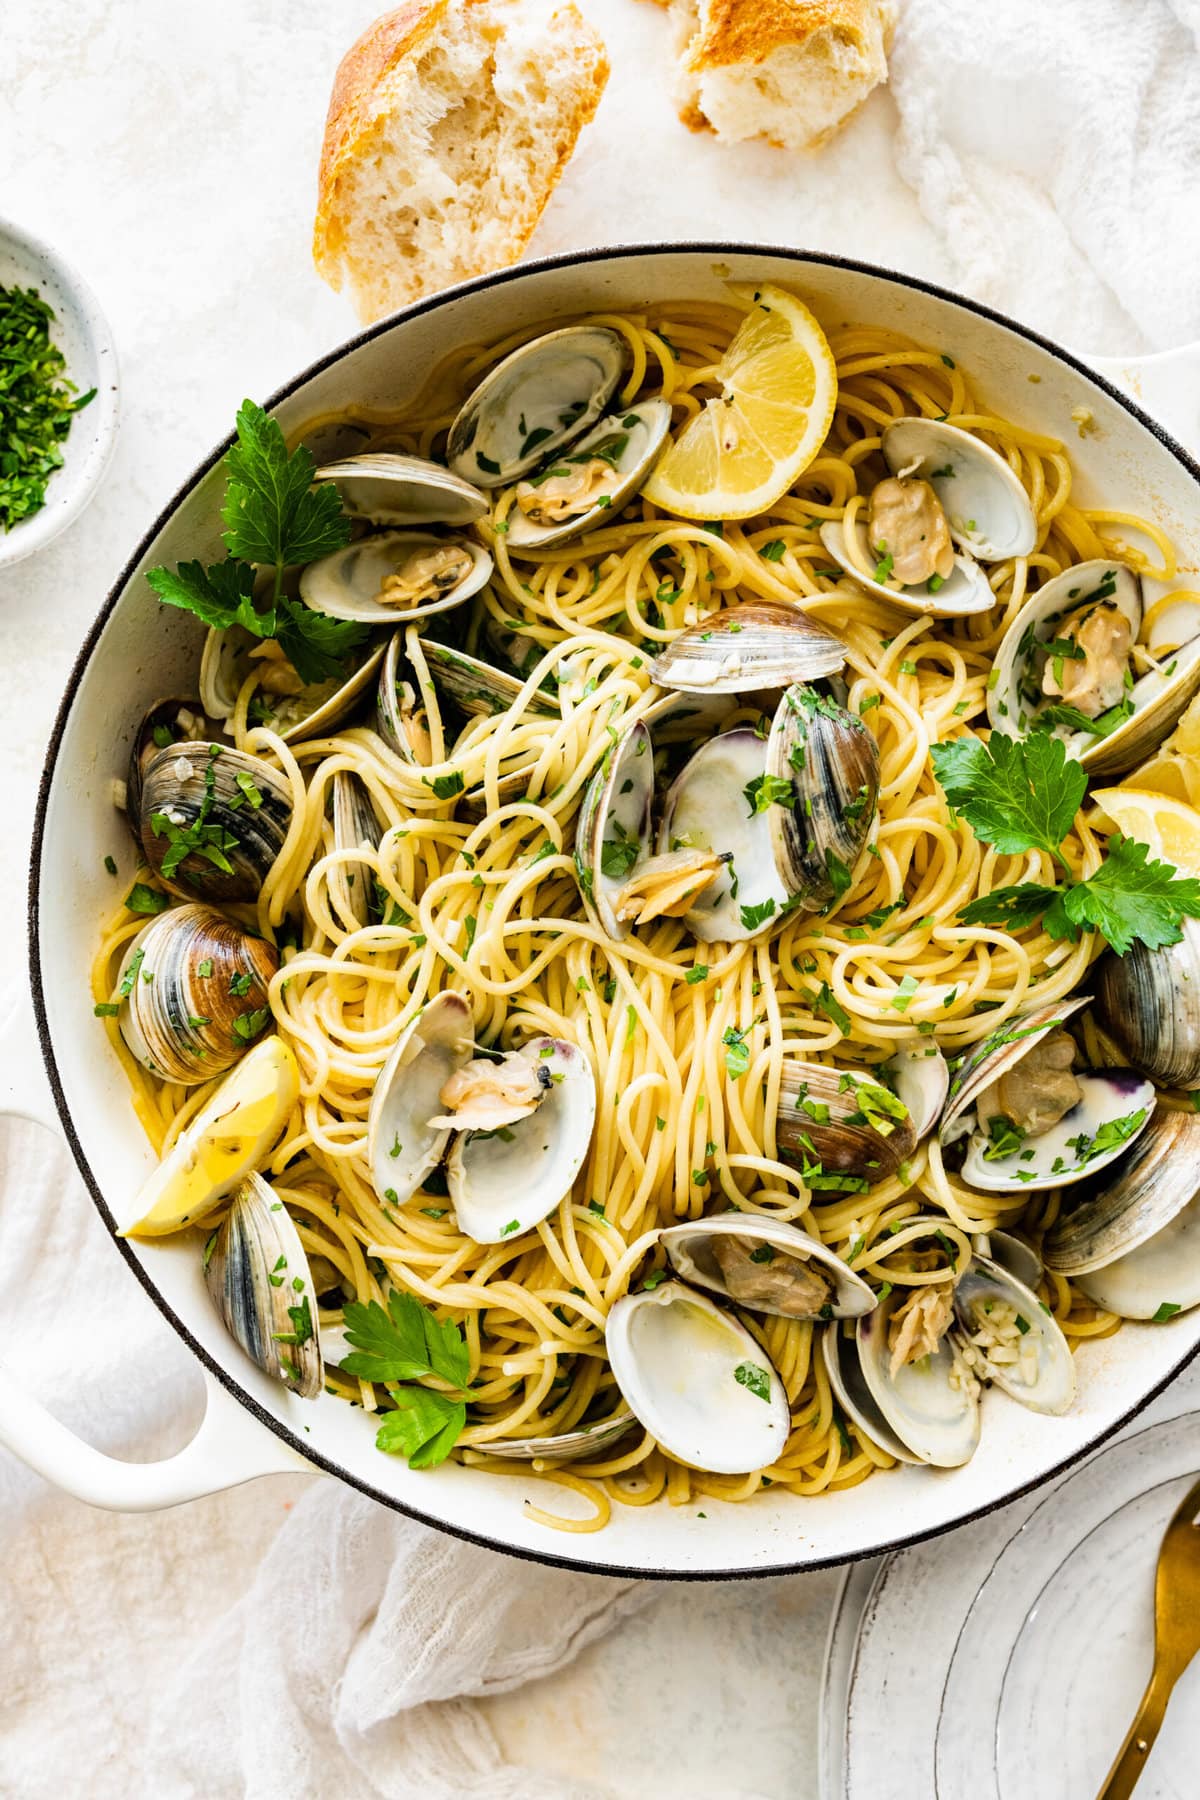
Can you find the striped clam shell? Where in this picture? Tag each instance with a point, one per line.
(193, 993)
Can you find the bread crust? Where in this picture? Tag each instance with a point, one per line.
(734, 32)
(363, 95)
(355, 103)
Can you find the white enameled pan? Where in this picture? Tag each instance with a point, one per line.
(136, 652)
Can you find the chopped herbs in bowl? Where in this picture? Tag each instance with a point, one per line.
(57, 394)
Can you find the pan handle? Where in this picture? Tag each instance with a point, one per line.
(231, 1446)
(1167, 384)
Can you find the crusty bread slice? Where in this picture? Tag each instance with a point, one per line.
(789, 70)
(449, 125)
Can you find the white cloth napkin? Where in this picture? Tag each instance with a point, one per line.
(1055, 146)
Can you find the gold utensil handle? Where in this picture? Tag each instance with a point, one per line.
(1134, 1753)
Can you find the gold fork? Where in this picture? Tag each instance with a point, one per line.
(1176, 1641)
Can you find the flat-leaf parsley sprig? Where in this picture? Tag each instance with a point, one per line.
(274, 519)
(1023, 794)
(399, 1347)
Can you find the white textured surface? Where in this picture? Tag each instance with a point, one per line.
(170, 151)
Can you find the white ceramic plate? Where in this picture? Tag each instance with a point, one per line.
(81, 332)
(1006, 1662)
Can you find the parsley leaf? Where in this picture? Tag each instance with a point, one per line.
(403, 1343)
(316, 646)
(768, 790)
(424, 1427)
(1018, 794)
(1128, 900)
(753, 1376)
(272, 512)
(737, 1052)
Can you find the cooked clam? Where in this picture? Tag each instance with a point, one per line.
(395, 576)
(843, 1365)
(401, 715)
(281, 698)
(1034, 1119)
(542, 396)
(212, 820)
(964, 590)
(731, 1414)
(744, 649)
(582, 487)
(1004, 1335)
(928, 1397)
(613, 834)
(231, 1136)
(473, 685)
(842, 1122)
(1149, 1003)
(563, 1446)
(1128, 1240)
(766, 1265)
(822, 783)
(919, 1075)
(170, 722)
(403, 1144)
(389, 489)
(257, 1272)
(506, 1179)
(707, 809)
(355, 827)
(192, 989)
(1075, 659)
(987, 510)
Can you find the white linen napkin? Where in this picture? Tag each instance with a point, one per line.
(1056, 148)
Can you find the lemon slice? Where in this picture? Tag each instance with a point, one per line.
(224, 1143)
(1170, 827)
(1174, 768)
(747, 445)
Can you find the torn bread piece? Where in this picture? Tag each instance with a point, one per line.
(792, 71)
(449, 125)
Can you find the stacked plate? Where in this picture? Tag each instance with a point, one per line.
(1006, 1661)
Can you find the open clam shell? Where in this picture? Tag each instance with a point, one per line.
(730, 1415)
(402, 1143)
(613, 834)
(931, 1405)
(401, 716)
(229, 658)
(966, 590)
(830, 762)
(230, 1137)
(844, 1368)
(919, 1075)
(390, 489)
(1149, 1003)
(542, 396)
(1006, 1336)
(630, 442)
(844, 1120)
(986, 507)
(257, 1273)
(565, 1446)
(355, 827)
(351, 583)
(505, 1182)
(1153, 701)
(706, 809)
(193, 993)
(765, 1265)
(212, 820)
(1113, 1215)
(745, 649)
(1113, 1106)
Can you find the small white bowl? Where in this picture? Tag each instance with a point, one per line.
(81, 332)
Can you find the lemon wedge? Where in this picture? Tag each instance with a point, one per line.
(748, 444)
(1174, 768)
(224, 1143)
(1170, 827)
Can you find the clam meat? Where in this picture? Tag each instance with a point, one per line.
(765, 1265)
